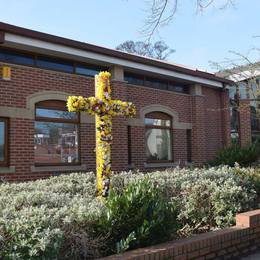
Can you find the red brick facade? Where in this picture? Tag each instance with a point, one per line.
(245, 135)
(205, 115)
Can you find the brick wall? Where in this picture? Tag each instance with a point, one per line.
(230, 243)
(27, 81)
(244, 122)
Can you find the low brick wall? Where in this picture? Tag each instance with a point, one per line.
(230, 243)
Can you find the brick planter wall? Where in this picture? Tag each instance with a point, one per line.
(230, 243)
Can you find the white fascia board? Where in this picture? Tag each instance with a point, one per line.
(17, 40)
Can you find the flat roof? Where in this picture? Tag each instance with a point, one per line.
(7, 30)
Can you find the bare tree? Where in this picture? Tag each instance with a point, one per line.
(162, 12)
(159, 50)
(243, 71)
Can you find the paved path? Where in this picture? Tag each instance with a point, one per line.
(252, 257)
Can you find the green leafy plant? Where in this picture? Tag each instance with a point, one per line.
(138, 216)
(244, 156)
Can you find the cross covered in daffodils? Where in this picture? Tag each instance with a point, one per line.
(104, 108)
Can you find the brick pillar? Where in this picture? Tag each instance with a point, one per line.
(244, 122)
(226, 119)
(198, 133)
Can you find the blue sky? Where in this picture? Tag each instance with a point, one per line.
(197, 38)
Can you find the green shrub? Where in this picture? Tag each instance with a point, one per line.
(253, 174)
(244, 156)
(207, 198)
(60, 217)
(138, 216)
(41, 219)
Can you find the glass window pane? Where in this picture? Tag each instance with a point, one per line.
(232, 90)
(252, 90)
(157, 122)
(158, 144)
(56, 143)
(176, 88)
(243, 91)
(52, 113)
(254, 116)
(88, 71)
(134, 79)
(156, 83)
(13, 57)
(53, 64)
(234, 119)
(2, 141)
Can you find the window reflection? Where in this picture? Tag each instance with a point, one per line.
(56, 143)
(56, 133)
(52, 113)
(158, 144)
(157, 122)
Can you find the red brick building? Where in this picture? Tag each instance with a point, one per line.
(182, 114)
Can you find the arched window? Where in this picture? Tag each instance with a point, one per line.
(158, 137)
(56, 139)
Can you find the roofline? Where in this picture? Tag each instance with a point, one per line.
(4, 27)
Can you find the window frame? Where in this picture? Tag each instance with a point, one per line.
(162, 116)
(5, 162)
(57, 105)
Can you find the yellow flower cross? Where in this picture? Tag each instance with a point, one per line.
(103, 107)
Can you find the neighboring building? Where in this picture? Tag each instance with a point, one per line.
(244, 102)
(181, 112)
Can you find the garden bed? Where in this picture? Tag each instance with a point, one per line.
(61, 218)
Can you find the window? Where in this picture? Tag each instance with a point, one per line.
(14, 57)
(156, 83)
(178, 88)
(134, 79)
(90, 71)
(52, 63)
(158, 137)
(3, 141)
(48, 63)
(56, 139)
(234, 116)
(255, 122)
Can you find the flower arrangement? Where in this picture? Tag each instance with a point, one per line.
(103, 107)
(95, 106)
